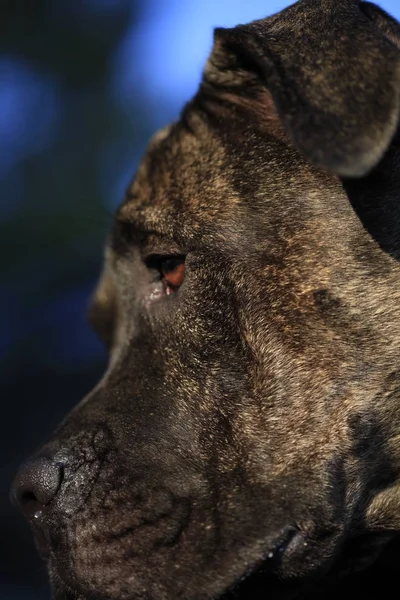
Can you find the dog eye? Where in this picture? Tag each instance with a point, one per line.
(173, 272)
(170, 269)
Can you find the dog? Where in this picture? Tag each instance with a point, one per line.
(244, 440)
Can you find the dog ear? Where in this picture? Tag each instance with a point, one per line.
(333, 69)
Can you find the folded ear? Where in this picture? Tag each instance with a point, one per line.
(333, 69)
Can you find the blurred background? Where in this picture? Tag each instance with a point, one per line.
(83, 85)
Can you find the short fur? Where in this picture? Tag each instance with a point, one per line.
(244, 441)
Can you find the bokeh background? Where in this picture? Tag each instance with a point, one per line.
(83, 85)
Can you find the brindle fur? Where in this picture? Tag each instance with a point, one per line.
(261, 401)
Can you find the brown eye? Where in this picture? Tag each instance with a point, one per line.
(168, 270)
(172, 271)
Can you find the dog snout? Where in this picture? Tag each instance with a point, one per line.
(36, 485)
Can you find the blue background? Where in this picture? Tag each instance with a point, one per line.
(83, 85)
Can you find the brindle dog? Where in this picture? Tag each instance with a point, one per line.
(245, 438)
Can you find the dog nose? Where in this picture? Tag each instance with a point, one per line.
(36, 484)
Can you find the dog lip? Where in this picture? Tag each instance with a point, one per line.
(268, 566)
(41, 533)
(285, 540)
(42, 544)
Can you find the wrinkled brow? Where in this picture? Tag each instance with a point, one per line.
(127, 234)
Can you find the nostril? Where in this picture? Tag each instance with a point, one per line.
(28, 499)
(36, 484)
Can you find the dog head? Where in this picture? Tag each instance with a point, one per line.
(250, 412)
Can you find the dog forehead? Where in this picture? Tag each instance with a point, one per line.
(184, 180)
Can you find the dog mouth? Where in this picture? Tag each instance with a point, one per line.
(292, 550)
(141, 539)
(68, 588)
(290, 545)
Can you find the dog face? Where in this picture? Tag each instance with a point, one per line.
(250, 299)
